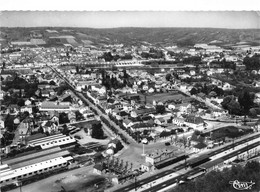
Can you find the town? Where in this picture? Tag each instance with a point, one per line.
(128, 117)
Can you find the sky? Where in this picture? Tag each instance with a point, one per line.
(112, 19)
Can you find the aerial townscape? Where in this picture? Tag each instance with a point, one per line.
(129, 109)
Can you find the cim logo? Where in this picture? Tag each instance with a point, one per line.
(242, 185)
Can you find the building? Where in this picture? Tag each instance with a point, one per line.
(52, 141)
(194, 122)
(54, 106)
(242, 155)
(28, 108)
(37, 162)
(159, 156)
(97, 169)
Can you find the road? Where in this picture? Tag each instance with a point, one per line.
(48, 184)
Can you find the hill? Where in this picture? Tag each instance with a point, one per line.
(129, 36)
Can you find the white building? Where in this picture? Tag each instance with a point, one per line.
(27, 166)
(51, 141)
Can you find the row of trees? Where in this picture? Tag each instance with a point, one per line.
(252, 63)
(207, 89)
(107, 123)
(240, 106)
(153, 55)
(223, 64)
(109, 57)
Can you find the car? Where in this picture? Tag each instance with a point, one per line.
(167, 144)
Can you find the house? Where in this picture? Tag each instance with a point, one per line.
(196, 138)
(127, 107)
(24, 128)
(158, 156)
(127, 123)
(151, 90)
(27, 102)
(27, 108)
(65, 98)
(45, 93)
(184, 107)
(2, 122)
(146, 167)
(141, 126)
(226, 86)
(122, 114)
(113, 143)
(50, 127)
(171, 106)
(199, 147)
(13, 108)
(194, 122)
(98, 168)
(160, 121)
(118, 105)
(99, 88)
(142, 112)
(135, 88)
(178, 121)
(145, 87)
(72, 117)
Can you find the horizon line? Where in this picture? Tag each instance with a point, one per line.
(130, 27)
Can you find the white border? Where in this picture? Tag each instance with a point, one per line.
(131, 5)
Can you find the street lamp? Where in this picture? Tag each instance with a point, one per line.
(144, 141)
(19, 184)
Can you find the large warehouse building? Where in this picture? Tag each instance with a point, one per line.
(18, 168)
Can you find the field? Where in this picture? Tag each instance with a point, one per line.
(162, 97)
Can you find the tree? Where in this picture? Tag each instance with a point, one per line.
(219, 91)
(160, 109)
(246, 101)
(65, 130)
(40, 130)
(216, 181)
(79, 116)
(193, 91)
(63, 118)
(234, 107)
(168, 77)
(9, 123)
(226, 101)
(20, 102)
(252, 112)
(61, 89)
(212, 94)
(52, 83)
(97, 131)
(26, 114)
(119, 146)
(252, 62)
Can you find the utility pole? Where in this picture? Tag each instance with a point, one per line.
(135, 183)
(185, 162)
